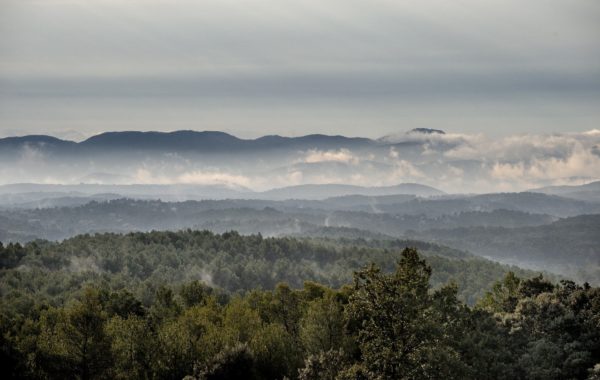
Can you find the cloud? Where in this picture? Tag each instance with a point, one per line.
(32, 154)
(592, 132)
(280, 66)
(194, 177)
(405, 171)
(295, 177)
(210, 178)
(341, 155)
(451, 162)
(578, 163)
(523, 161)
(476, 162)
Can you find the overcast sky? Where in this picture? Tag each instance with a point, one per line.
(369, 68)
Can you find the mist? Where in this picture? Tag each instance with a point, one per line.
(451, 162)
(282, 189)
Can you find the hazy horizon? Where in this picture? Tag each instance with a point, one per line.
(77, 68)
(338, 189)
(451, 162)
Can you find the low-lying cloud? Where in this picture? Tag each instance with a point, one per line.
(341, 155)
(193, 177)
(451, 162)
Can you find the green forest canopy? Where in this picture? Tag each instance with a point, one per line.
(141, 262)
(383, 325)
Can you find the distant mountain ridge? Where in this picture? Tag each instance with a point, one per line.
(315, 191)
(184, 140)
(186, 157)
(588, 192)
(35, 140)
(32, 193)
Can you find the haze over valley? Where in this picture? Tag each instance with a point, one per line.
(335, 186)
(452, 163)
(299, 190)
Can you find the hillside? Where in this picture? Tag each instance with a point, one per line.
(567, 246)
(228, 261)
(95, 309)
(333, 190)
(589, 192)
(570, 245)
(270, 218)
(177, 141)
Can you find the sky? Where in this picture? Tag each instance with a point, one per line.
(74, 68)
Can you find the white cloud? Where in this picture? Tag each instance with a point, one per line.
(511, 163)
(341, 155)
(211, 178)
(592, 132)
(451, 162)
(405, 171)
(194, 177)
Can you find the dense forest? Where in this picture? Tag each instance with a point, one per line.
(578, 235)
(510, 228)
(299, 190)
(142, 262)
(381, 325)
(249, 216)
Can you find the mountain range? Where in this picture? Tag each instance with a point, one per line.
(433, 158)
(179, 141)
(30, 195)
(524, 229)
(586, 192)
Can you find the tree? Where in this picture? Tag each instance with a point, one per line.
(504, 295)
(534, 286)
(322, 327)
(286, 307)
(559, 344)
(397, 324)
(276, 353)
(323, 366)
(124, 304)
(594, 373)
(134, 347)
(77, 335)
(236, 362)
(194, 293)
(190, 339)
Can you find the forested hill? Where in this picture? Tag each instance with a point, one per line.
(374, 214)
(570, 241)
(229, 261)
(568, 246)
(177, 141)
(385, 325)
